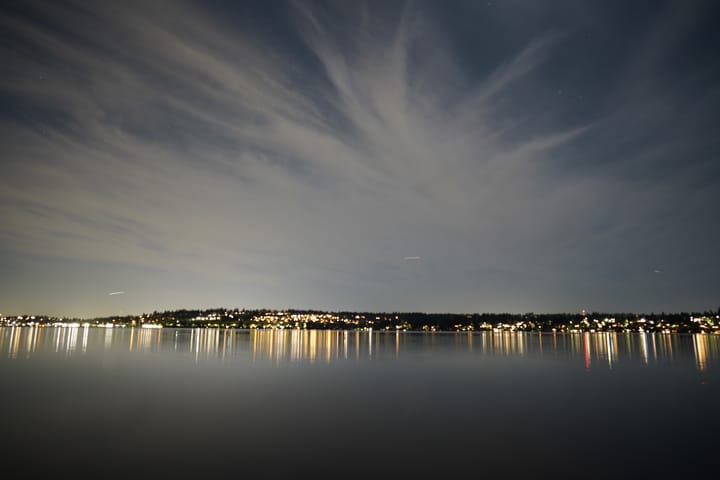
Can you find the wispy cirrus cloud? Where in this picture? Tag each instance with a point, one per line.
(155, 136)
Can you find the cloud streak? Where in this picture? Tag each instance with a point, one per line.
(293, 175)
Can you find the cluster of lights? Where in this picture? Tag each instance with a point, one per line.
(355, 321)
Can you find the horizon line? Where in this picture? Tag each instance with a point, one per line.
(396, 312)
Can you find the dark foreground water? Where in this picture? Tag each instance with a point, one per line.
(206, 403)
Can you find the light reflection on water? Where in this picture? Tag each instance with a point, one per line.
(216, 403)
(593, 350)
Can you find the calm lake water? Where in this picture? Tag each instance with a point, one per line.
(209, 403)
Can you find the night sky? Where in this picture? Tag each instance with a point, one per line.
(501, 156)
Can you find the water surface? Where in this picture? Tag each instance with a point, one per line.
(275, 403)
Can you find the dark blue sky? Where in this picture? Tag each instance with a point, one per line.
(454, 156)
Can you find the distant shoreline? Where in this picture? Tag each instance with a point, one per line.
(696, 322)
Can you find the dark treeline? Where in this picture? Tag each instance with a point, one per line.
(319, 319)
(708, 321)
